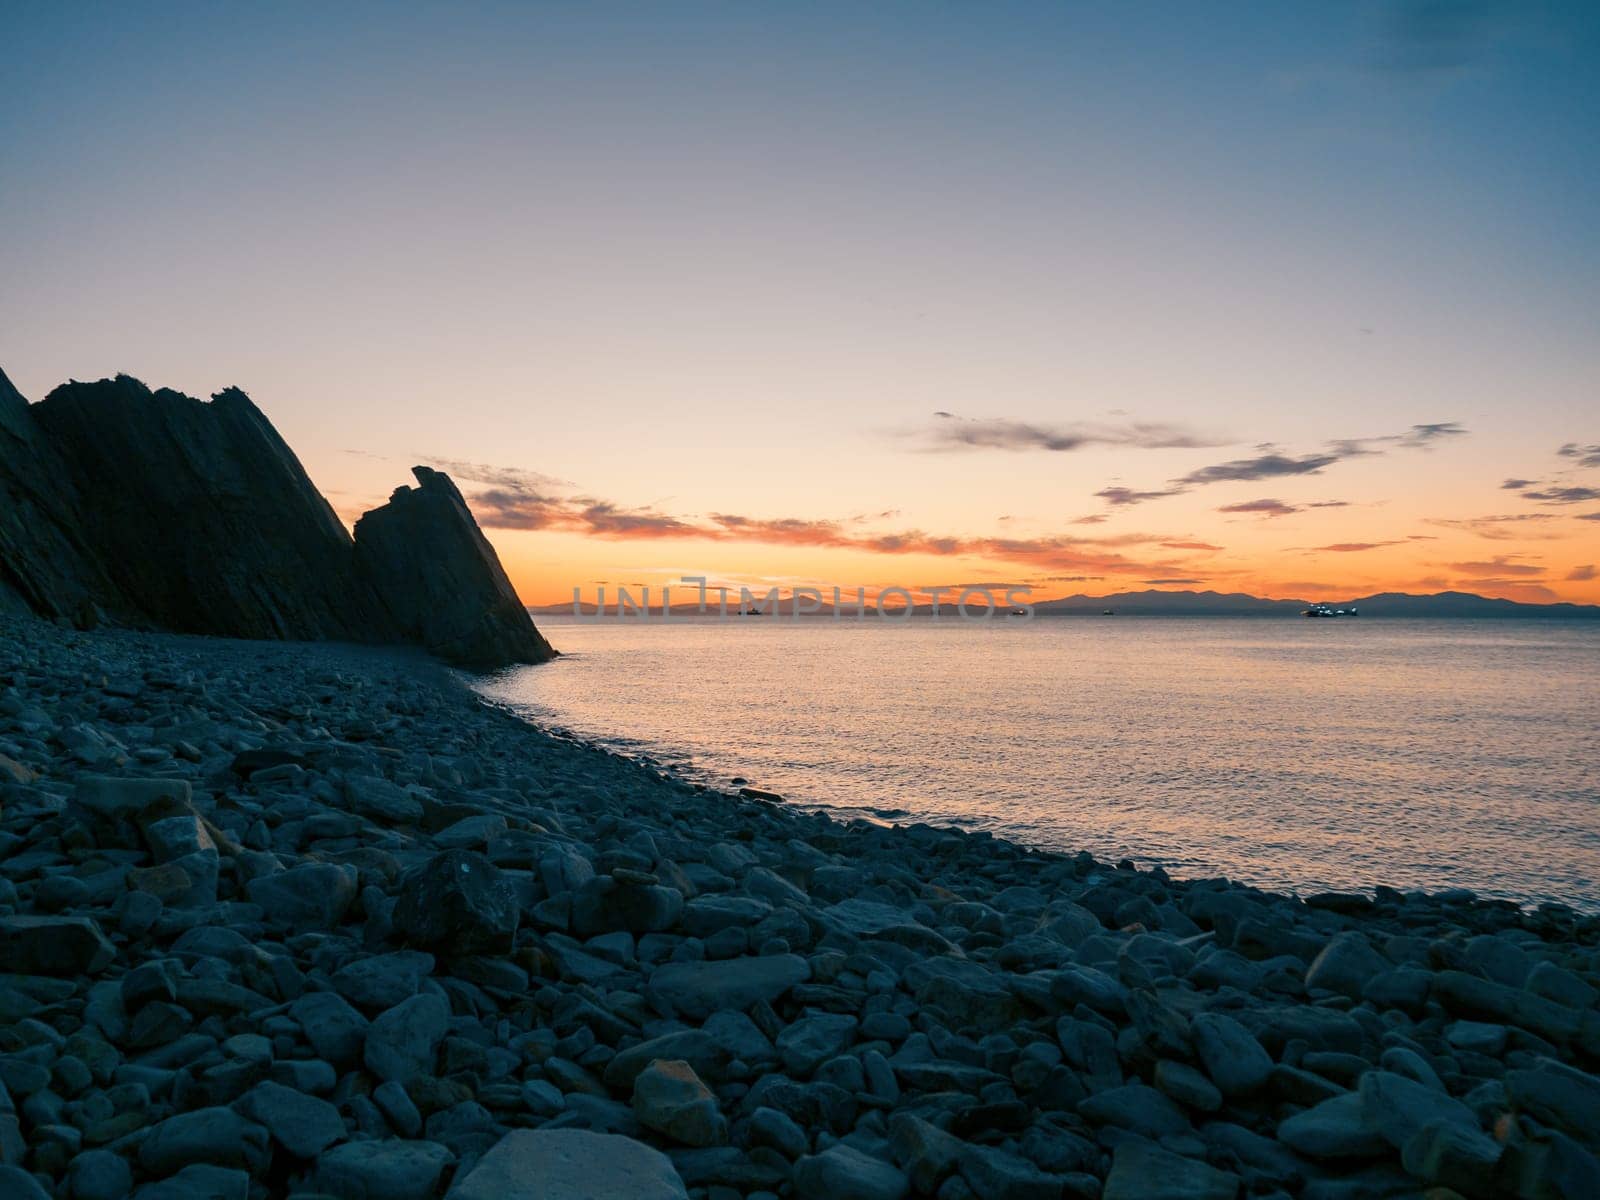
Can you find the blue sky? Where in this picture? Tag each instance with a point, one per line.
(700, 258)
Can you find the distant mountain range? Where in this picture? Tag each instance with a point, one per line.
(1216, 604)
(1382, 604)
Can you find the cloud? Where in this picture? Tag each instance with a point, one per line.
(523, 501)
(1189, 546)
(1092, 519)
(1265, 466)
(1500, 566)
(1587, 456)
(1506, 527)
(1121, 496)
(1329, 504)
(950, 432)
(1353, 547)
(1516, 485)
(1594, 516)
(1169, 582)
(1564, 495)
(1273, 463)
(503, 477)
(1266, 508)
(1581, 574)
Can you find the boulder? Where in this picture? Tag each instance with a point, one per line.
(1345, 965)
(402, 1042)
(1141, 1171)
(842, 1172)
(669, 1098)
(1230, 1053)
(312, 897)
(698, 989)
(457, 902)
(570, 1164)
(54, 945)
(218, 1136)
(303, 1125)
(382, 1170)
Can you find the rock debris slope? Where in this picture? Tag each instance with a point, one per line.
(157, 509)
(296, 920)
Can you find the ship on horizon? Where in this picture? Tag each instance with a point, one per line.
(1323, 610)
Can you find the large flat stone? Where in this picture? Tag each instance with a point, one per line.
(570, 1164)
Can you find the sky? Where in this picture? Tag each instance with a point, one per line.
(1295, 299)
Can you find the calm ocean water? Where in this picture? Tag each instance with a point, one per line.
(1295, 755)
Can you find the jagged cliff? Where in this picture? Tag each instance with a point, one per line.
(157, 509)
(422, 550)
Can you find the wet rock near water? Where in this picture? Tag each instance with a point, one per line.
(306, 920)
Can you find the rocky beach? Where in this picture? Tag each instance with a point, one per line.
(312, 919)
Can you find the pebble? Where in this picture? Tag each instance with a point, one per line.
(314, 915)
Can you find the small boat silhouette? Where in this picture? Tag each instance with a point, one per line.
(1323, 610)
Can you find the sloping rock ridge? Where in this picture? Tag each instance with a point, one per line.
(440, 580)
(157, 509)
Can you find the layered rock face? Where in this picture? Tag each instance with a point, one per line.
(157, 509)
(440, 580)
(44, 566)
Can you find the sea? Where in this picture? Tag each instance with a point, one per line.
(1294, 755)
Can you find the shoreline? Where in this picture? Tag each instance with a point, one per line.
(234, 947)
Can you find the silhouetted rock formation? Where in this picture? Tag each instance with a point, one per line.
(154, 508)
(424, 556)
(44, 565)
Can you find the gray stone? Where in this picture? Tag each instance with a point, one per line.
(302, 1125)
(375, 797)
(312, 897)
(694, 1046)
(1477, 1037)
(336, 1031)
(1141, 1171)
(218, 1136)
(670, 1098)
(1137, 1107)
(993, 1174)
(403, 1041)
(1453, 1156)
(199, 1181)
(1333, 1130)
(471, 833)
(842, 1172)
(698, 989)
(113, 797)
(382, 1170)
(570, 1164)
(54, 946)
(604, 904)
(1397, 1107)
(99, 1175)
(1345, 965)
(383, 980)
(1559, 1095)
(458, 903)
(928, 1153)
(807, 1043)
(17, 1184)
(1187, 1086)
(707, 915)
(769, 1127)
(396, 1104)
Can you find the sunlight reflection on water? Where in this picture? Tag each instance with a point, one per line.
(1300, 755)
